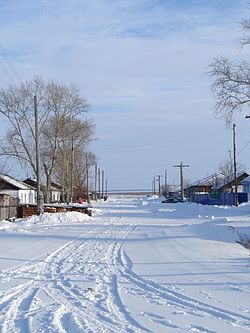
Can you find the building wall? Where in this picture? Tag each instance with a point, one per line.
(55, 196)
(246, 189)
(24, 196)
(12, 193)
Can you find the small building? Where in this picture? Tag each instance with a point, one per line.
(217, 190)
(25, 193)
(55, 190)
(201, 187)
(227, 184)
(246, 186)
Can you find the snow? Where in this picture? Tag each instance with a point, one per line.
(18, 184)
(137, 265)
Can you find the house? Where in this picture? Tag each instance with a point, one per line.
(55, 190)
(227, 184)
(217, 189)
(17, 189)
(246, 186)
(204, 185)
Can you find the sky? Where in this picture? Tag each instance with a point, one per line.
(142, 66)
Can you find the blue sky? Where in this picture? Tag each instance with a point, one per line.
(142, 65)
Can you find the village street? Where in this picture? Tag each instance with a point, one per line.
(137, 265)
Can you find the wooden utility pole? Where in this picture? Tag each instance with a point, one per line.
(102, 183)
(95, 181)
(159, 180)
(87, 179)
(181, 166)
(153, 185)
(99, 183)
(38, 177)
(235, 167)
(166, 180)
(106, 188)
(72, 172)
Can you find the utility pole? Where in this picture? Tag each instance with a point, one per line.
(99, 183)
(181, 166)
(102, 183)
(95, 181)
(87, 179)
(159, 180)
(72, 172)
(106, 188)
(166, 180)
(235, 167)
(38, 177)
(153, 185)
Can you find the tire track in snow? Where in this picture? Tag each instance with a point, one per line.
(115, 301)
(61, 290)
(16, 302)
(97, 318)
(152, 290)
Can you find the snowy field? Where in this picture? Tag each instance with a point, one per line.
(137, 265)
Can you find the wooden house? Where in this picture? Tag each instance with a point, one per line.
(25, 193)
(246, 186)
(55, 190)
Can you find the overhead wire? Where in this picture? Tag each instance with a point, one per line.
(8, 68)
(150, 146)
(243, 133)
(9, 63)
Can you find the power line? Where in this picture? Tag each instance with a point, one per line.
(151, 146)
(8, 67)
(9, 63)
(6, 72)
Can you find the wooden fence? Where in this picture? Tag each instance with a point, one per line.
(8, 208)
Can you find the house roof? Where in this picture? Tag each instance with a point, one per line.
(206, 181)
(246, 180)
(33, 183)
(16, 183)
(217, 180)
(229, 180)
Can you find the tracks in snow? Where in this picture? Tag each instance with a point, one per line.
(72, 289)
(77, 288)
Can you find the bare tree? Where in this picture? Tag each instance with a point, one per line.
(66, 104)
(231, 85)
(17, 106)
(226, 173)
(60, 109)
(70, 166)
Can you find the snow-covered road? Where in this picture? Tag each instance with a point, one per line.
(135, 266)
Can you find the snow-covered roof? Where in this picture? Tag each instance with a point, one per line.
(206, 181)
(226, 180)
(246, 180)
(17, 183)
(217, 180)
